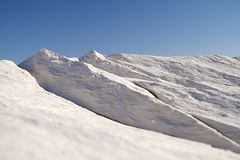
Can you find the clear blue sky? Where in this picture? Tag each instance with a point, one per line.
(160, 27)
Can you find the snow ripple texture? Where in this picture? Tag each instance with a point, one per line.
(194, 98)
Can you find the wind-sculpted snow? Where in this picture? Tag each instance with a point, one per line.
(207, 85)
(36, 124)
(89, 83)
(112, 67)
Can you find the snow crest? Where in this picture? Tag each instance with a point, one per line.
(36, 124)
(162, 94)
(94, 55)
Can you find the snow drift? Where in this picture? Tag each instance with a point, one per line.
(36, 124)
(172, 95)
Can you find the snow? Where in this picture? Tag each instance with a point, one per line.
(162, 94)
(47, 52)
(94, 55)
(209, 83)
(36, 124)
(74, 59)
(119, 80)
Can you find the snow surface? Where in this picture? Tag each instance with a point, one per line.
(204, 85)
(36, 124)
(93, 55)
(195, 98)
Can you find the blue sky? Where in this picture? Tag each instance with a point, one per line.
(159, 27)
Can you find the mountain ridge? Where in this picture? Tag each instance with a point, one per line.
(36, 124)
(161, 76)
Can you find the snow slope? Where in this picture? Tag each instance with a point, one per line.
(204, 86)
(134, 90)
(36, 124)
(209, 83)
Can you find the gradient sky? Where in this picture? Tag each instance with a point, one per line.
(157, 27)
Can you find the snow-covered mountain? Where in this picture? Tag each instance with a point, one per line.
(36, 124)
(195, 98)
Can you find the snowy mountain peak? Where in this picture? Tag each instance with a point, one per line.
(47, 53)
(93, 52)
(94, 55)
